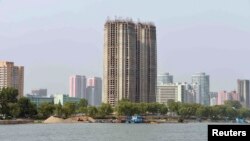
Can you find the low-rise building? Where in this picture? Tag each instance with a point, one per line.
(168, 92)
(37, 100)
(63, 98)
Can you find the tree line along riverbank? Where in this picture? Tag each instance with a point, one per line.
(13, 108)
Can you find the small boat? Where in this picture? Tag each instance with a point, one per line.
(135, 119)
(240, 120)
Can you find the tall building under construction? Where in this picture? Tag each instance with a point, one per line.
(130, 61)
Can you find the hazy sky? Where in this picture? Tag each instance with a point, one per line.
(56, 38)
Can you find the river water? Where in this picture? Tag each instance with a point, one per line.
(104, 132)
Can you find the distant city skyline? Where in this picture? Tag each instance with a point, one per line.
(55, 39)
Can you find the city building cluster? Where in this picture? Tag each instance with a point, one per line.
(129, 72)
(198, 91)
(87, 88)
(80, 87)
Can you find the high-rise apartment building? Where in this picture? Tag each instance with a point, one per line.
(94, 91)
(130, 65)
(189, 93)
(213, 98)
(244, 93)
(224, 96)
(164, 78)
(203, 80)
(77, 86)
(12, 76)
(234, 96)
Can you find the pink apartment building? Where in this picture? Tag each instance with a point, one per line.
(77, 86)
(224, 96)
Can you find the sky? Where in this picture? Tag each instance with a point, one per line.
(54, 39)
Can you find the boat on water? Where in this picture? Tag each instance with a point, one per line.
(240, 120)
(135, 119)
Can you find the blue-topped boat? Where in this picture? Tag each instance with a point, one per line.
(240, 120)
(135, 119)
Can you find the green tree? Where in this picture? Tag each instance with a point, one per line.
(222, 111)
(14, 109)
(69, 109)
(233, 103)
(203, 111)
(184, 112)
(83, 110)
(173, 106)
(7, 95)
(218, 112)
(27, 109)
(10, 94)
(187, 110)
(59, 109)
(231, 113)
(154, 108)
(163, 109)
(46, 109)
(82, 103)
(126, 108)
(82, 106)
(244, 113)
(142, 108)
(105, 109)
(92, 111)
(214, 113)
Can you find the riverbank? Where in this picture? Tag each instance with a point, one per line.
(120, 119)
(17, 121)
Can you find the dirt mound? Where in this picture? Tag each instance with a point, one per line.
(75, 119)
(70, 120)
(53, 119)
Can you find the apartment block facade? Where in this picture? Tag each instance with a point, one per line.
(244, 92)
(94, 91)
(130, 61)
(77, 86)
(12, 76)
(202, 80)
(170, 92)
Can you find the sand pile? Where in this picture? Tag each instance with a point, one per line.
(91, 119)
(53, 119)
(70, 120)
